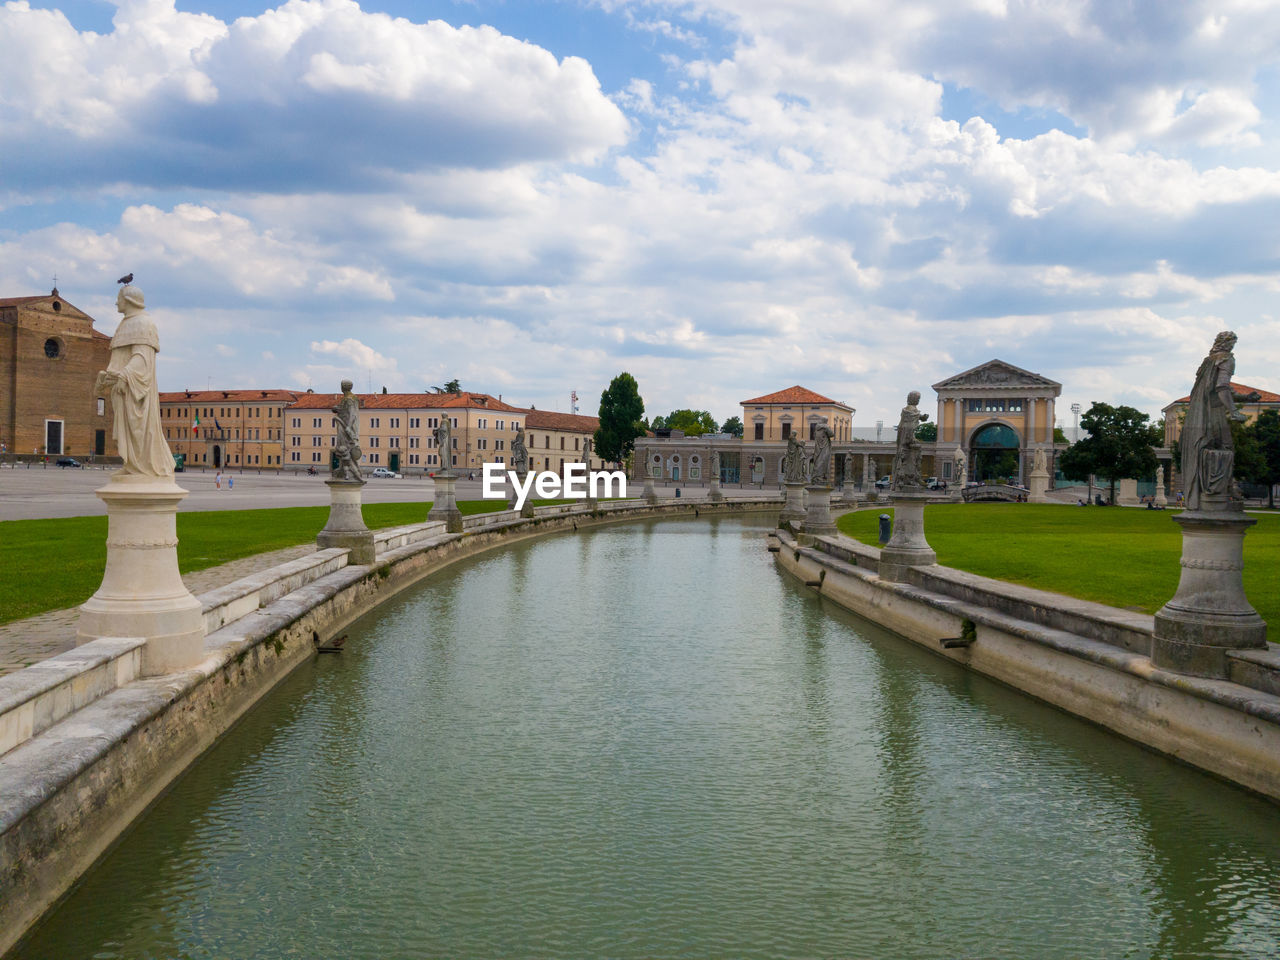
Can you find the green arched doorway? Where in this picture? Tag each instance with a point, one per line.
(994, 453)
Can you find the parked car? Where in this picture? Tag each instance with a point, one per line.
(68, 462)
(883, 482)
(933, 483)
(385, 474)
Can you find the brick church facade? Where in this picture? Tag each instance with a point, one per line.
(50, 355)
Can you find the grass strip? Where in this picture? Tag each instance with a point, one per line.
(1121, 557)
(57, 563)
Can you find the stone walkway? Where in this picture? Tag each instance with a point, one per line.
(24, 642)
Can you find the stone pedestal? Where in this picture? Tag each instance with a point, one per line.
(346, 528)
(907, 547)
(650, 494)
(793, 506)
(1127, 493)
(817, 517)
(1161, 501)
(1209, 615)
(1038, 484)
(715, 494)
(444, 506)
(142, 594)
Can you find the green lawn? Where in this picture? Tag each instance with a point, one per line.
(52, 564)
(1122, 557)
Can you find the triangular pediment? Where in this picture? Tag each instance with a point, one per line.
(996, 373)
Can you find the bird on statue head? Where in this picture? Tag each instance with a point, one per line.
(127, 278)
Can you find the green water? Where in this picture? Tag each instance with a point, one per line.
(646, 742)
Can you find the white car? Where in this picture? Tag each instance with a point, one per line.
(384, 473)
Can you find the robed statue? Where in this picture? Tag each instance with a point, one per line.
(444, 444)
(715, 464)
(793, 460)
(820, 465)
(962, 466)
(848, 470)
(346, 449)
(519, 453)
(586, 451)
(906, 462)
(129, 382)
(1208, 455)
(1038, 465)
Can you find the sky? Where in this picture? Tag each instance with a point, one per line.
(722, 197)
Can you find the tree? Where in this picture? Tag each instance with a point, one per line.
(453, 386)
(1118, 445)
(620, 411)
(694, 423)
(732, 426)
(927, 432)
(1266, 435)
(1059, 436)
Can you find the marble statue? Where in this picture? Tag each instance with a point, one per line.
(519, 453)
(444, 444)
(962, 466)
(346, 463)
(848, 471)
(1208, 455)
(715, 464)
(906, 462)
(1038, 463)
(1160, 478)
(130, 383)
(820, 464)
(586, 451)
(793, 460)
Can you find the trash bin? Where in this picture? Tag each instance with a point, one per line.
(886, 530)
(677, 492)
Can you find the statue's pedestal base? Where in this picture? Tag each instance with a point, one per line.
(817, 517)
(1161, 501)
(793, 507)
(444, 506)
(650, 494)
(1209, 615)
(907, 547)
(346, 528)
(871, 494)
(715, 494)
(1038, 483)
(142, 594)
(1127, 493)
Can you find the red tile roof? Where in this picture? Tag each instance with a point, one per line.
(19, 301)
(227, 396)
(796, 394)
(407, 401)
(1241, 390)
(569, 422)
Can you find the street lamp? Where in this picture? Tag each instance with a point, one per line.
(1075, 411)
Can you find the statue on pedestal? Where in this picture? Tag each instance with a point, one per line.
(962, 467)
(848, 471)
(519, 453)
(586, 452)
(906, 462)
(130, 382)
(820, 465)
(1038, 463)
(444, 444)
(346, 464)
(1208, 455)
(793, 460)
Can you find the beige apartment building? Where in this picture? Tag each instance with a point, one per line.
(226, 429)
(397, 431)
(1251, 401)
(555, 439)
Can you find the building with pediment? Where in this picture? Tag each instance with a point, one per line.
(50, 356)
(999, 415)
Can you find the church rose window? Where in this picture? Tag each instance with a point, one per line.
(52, 348)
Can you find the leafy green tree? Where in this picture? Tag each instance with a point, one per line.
(927, 432)
(620, 411)
(1059, 436)
(732, 426)
(693, 422)
(453, 386)
(1119, 444)
(1266, 435)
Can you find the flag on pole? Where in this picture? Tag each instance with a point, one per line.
(195, 424)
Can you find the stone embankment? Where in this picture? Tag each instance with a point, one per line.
(87, 743)
(1091, 660)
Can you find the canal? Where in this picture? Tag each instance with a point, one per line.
(644, 741)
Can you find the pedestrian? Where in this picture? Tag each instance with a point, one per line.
(217, 480)
(231, 482)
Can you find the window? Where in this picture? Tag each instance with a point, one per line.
(812, 428)
(395, 423)
(102, 407)
(454, 424)
(315, 422)
(315, 458)
(499, 425)
(374, 423)
(482, 423)
(297, 422)
(415, 423)
(315, 441)
(481, 443)
(373, 441)
(394, 443)
(562, 443)
(413, 443)
(759, 431)
(295, 457)
(547, 444)
(413, 459)
(786, 430)
(499, 445)
(295, 441)
(575, 443)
